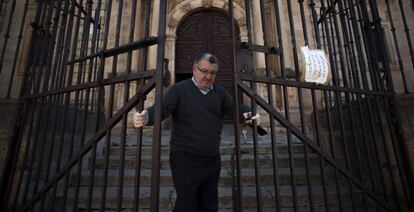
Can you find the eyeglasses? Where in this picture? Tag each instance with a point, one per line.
(206, 72)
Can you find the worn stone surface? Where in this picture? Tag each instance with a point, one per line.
(404, 105)
(8, 110)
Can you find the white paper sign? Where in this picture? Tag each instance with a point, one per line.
(316, 65)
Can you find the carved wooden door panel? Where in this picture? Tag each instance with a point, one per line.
(205, 31)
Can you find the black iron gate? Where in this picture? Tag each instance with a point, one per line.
(343, 135)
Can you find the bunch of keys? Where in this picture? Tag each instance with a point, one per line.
(244, 132)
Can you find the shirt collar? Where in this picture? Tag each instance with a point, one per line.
(201, 90)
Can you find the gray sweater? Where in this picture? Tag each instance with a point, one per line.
(197, 118)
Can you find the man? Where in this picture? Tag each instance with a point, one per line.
(198, 108)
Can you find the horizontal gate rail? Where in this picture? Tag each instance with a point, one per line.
(310, 85)
(119, 50)
(88, 85)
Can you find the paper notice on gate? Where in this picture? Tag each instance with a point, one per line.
(316, 65)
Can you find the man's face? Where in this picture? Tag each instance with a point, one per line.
(205, 74)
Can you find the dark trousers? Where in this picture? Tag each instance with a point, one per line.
(196, 181)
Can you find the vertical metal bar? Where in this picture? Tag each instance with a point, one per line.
(387, 153)
(126, 90)
(143, 67)
(7, 33)
(44, 32)
(381, 52)
(19, 140)
(66, 101)
(338, 103)
(59, 51)
(352, 67)
(32, 160)
(156, 147)
(75, 107)
(331, 145)
(368, 100)
(339, 106)
(82, 71)
(270, 99)
(16, 53)
(57, 58)
(110, 110)
(9, 169)
(353, 36)
(321, 160)
(407, 31)
(396, 45)
(237, 203)
(396, 148)
(49, 100)
(92, 62)
(122, 146)
(287, 110)
(407, 177)
(1, 4)
(301, 106)
(350, 59)
(42, 101)
(357, 149)
(357, 84)
(370, 47)
(315, 23)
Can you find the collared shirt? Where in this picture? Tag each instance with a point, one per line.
(202, 91)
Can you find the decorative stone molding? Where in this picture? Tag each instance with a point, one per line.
(207, 3)
(176, 14)
(186, 8)
(183, 8)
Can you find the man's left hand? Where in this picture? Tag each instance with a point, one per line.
(249, 117)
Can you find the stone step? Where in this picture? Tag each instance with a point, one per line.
(264, 209)
(247, 177)
(265, 161)
(168, 195)
(147, 140)
(245, 148)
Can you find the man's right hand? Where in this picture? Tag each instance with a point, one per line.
(140, 118)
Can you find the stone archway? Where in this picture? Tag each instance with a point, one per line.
(181, 10)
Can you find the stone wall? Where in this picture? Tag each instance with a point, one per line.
(8, 110)
(404, 104)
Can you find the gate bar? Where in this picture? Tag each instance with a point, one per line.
(270, 100)
(407, 31)
(120, 182)
(19, 40)
(120, 49)
(36, 82)
(237, 190)
(357, 83)
(302, 115)
(338, 100)
(110, 108)
(16, 139)
(7, 33)
(300, 92)
(156, 147)
(139, 107)
(397, 48)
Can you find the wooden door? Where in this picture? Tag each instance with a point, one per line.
(205, 31)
